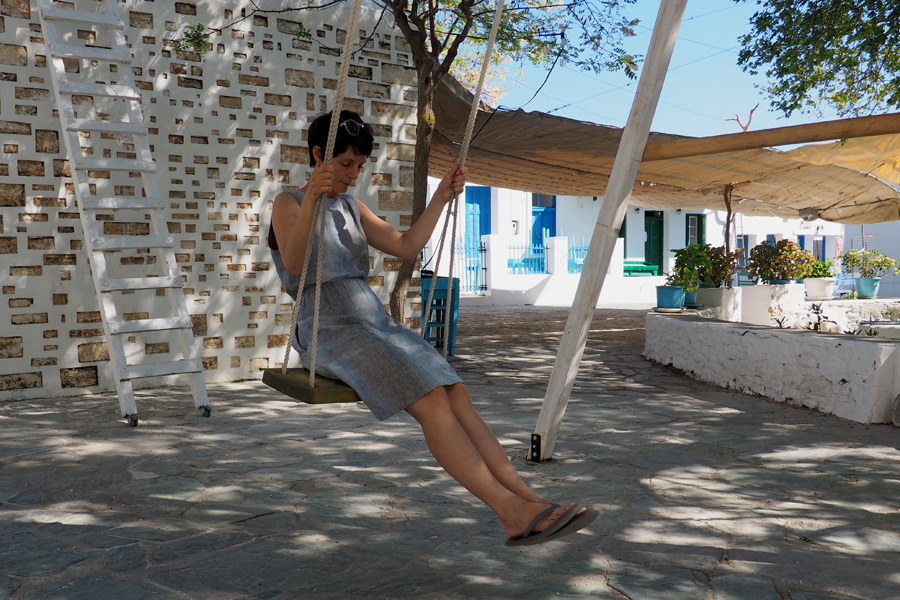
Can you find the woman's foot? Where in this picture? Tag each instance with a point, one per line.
(552, 523)
(529, 496)
(520, 524)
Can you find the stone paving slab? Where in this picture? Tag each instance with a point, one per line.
(704, 494)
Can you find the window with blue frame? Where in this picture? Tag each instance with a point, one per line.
(742, 242)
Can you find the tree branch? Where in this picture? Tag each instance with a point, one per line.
(411, 33)
(432, 29)
(256, 10)
(737, 118)
(465, 8)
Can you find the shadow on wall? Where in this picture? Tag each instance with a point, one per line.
(227, 135)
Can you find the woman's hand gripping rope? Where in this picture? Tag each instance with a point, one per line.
(320, 181)
(453, 181)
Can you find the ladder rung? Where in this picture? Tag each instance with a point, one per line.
(141, 283)
(132, 242)
(115, 164)
(157, 369)
(99, 89)
(117, 327)
(89, 53)
(106, 126)
(54, 13)
(122, 202)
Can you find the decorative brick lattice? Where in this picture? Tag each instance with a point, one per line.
(227, 133)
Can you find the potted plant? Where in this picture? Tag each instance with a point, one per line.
(779, 263)
(820, 282)
(690, 264)
(760, 261)
(716, 289)
(872, 266)
(722, 266)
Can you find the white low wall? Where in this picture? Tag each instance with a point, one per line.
(846, 315)
(559, 290)
(854, 377)
(770, 304)
(557, 287)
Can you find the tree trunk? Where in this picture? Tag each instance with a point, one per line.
(729, 216)
(729, 219)
(427, 83)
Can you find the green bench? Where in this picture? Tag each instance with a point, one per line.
(639, 268)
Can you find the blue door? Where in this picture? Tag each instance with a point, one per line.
(478, 211)
(543, 218)
(478, 223)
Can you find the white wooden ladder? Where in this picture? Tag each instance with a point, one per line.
(132, 259)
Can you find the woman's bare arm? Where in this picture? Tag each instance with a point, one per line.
(408, 244)
(292, 222)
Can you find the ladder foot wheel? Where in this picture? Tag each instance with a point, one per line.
(132, 420)
(204, 411)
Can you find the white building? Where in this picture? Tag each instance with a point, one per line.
(522, 248)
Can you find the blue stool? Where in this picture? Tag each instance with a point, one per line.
(434, 328)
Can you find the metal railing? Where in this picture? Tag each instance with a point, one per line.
(577, 254)
(471, 266)
(868, 241)
(527, 259)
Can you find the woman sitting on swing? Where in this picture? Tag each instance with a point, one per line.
(390, 367)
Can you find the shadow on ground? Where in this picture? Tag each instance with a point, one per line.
(704, 494)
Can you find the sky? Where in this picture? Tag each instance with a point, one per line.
(704, 85)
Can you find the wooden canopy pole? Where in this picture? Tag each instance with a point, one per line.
(606, 231)
(779, 136)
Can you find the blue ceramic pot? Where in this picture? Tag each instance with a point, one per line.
(669, 296)
(867, 287)
(690, 298)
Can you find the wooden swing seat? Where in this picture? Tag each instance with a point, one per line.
(295, 383)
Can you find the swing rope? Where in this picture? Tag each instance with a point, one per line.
(319, 216)
(453, 205)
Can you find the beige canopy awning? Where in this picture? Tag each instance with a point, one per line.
(854, 181)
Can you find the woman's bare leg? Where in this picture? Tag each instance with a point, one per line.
(455, 452)
(487, 445)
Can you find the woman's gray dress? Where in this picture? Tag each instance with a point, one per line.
(359, 343)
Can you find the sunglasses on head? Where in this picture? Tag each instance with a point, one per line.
(354, 128)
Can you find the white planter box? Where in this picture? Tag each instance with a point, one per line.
(765, 304)
(819, 288)
(725, 303)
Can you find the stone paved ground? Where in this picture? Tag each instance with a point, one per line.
(704, 494)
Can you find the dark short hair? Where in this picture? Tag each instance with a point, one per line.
(318, 135)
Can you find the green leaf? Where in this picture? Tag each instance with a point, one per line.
(815, 54)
